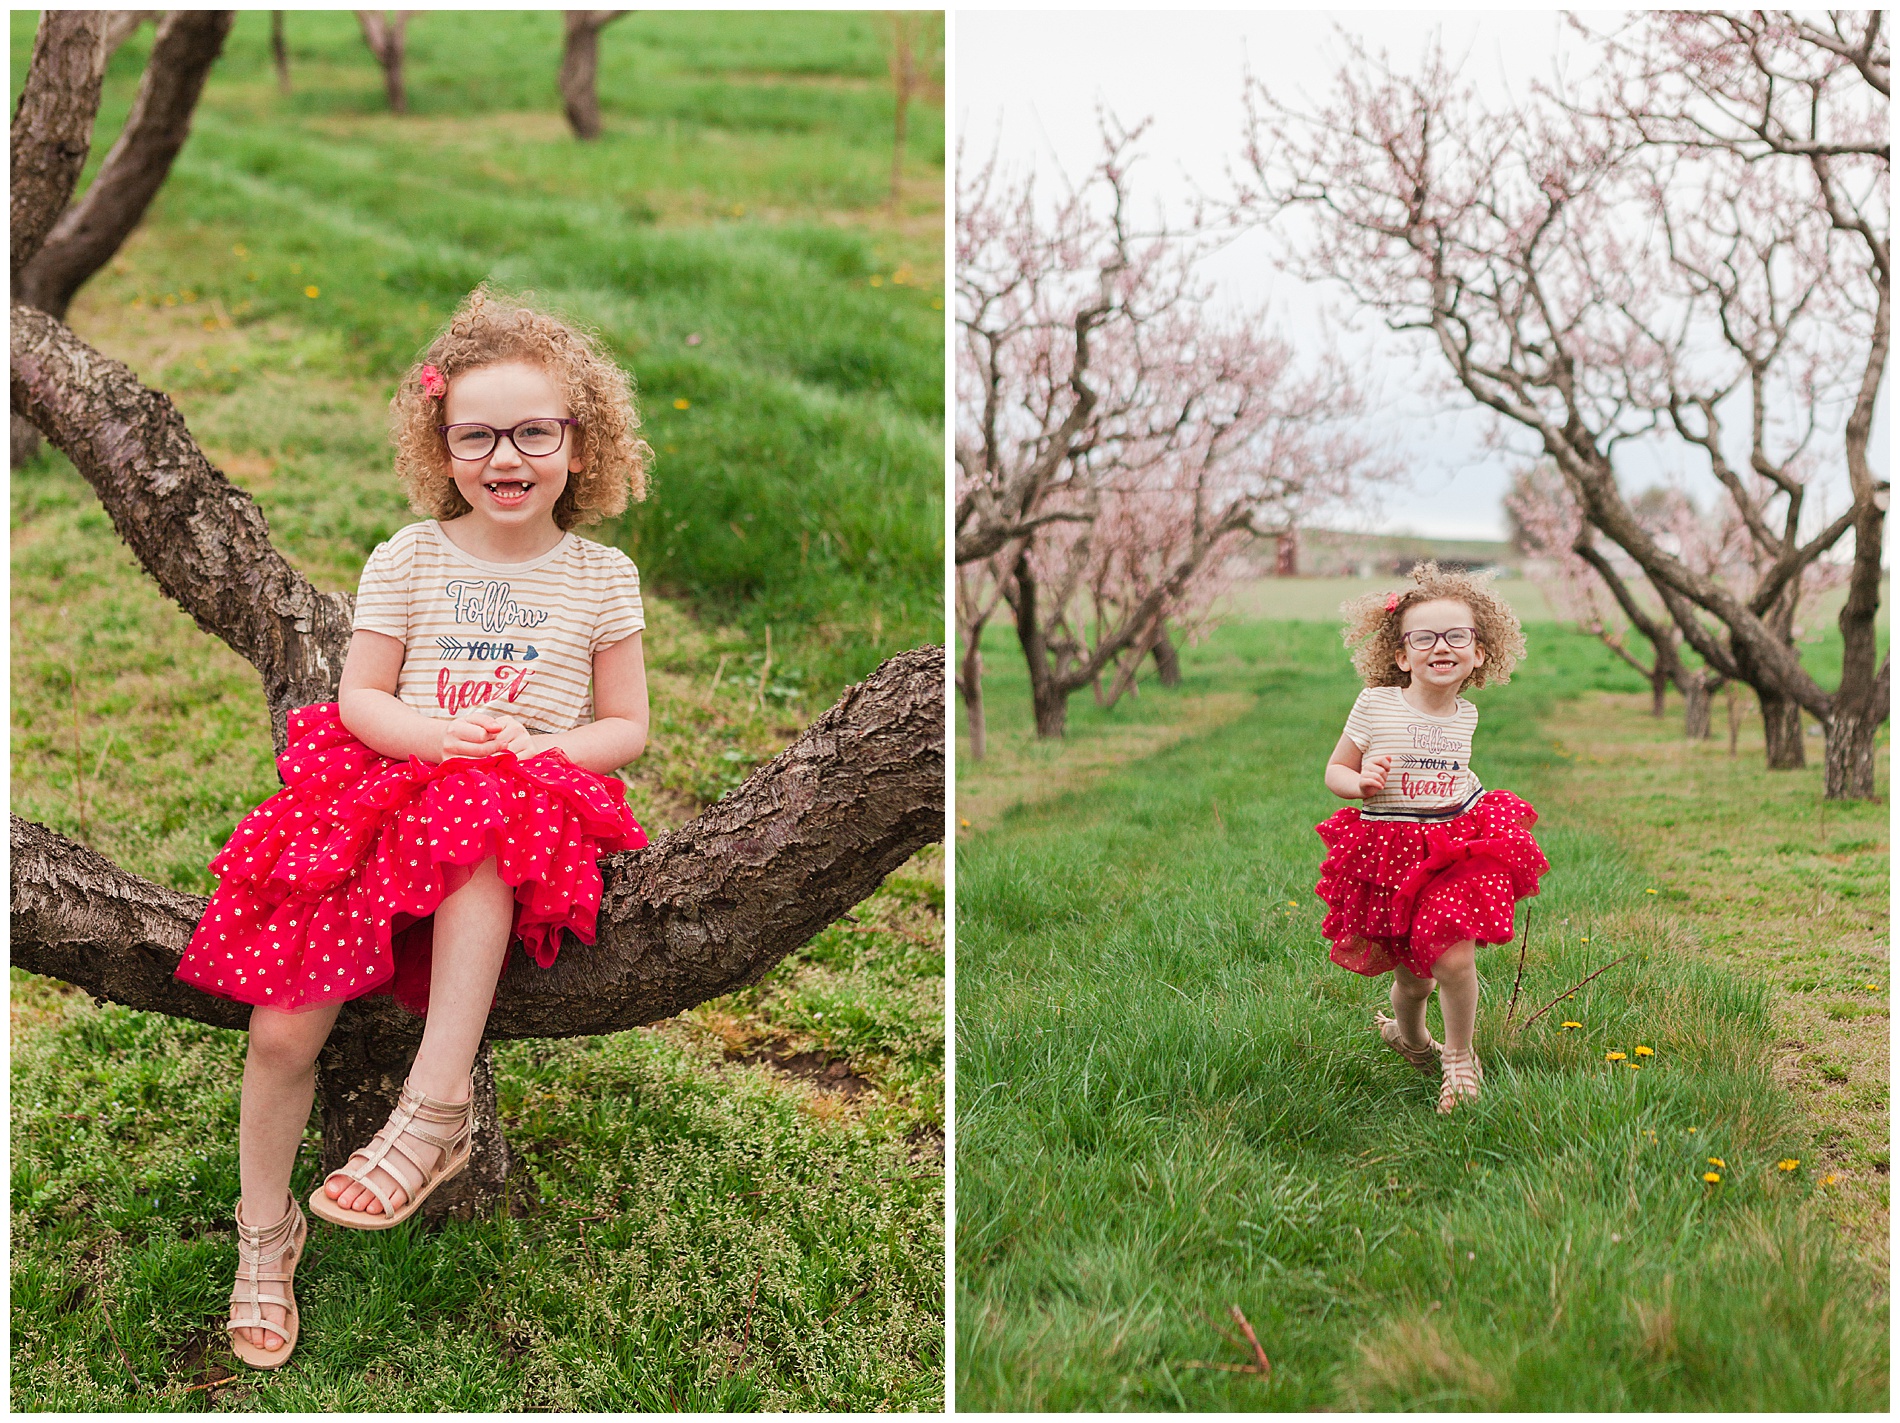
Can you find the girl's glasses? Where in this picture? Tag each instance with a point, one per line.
(1423, 639)
(531, 437)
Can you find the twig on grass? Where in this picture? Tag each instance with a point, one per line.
(718, 672)
(1569, 991)
(1523, 950)
(746, 1342)
(1217, 820)
(1266, 1367)
(765, 670)
(112, 1334)
(862, 1289)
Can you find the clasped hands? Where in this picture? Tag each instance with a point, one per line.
(483, 732)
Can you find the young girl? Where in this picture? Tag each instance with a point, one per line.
(455, 797)
(1434, 864)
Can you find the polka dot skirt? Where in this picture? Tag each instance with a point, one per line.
(1399, 892)
(325, 891)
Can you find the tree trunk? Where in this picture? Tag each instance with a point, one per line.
(384, 36)
(1167, 660)
(580, 64)
(970, 688)
(93, 229)
(1781, 729)
(280, 55)
(1698, 707)
(1849, 756)
(1658, 690)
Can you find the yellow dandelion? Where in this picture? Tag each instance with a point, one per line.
(1691, 1131)
(1614, 1056)
(1649, 891)
(1642, 1051)
(240, 250)
(1294, 902)
(313, 292)
(1712, 1178)
(876, 280)
(964, 823)
(1718, 1161)
(682, 404)
(1586, 938)
(1829, 1179)
(1568, 1025)
(1788, 1164)
(1872, 987)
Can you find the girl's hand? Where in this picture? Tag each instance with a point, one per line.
(1372, 776)
(482, 733)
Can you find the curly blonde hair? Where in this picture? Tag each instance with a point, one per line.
(1372, 628)
(490, 329)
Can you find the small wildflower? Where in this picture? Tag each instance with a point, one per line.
(1873, 987)
(1649, 891)
(1829, 1179)
(877, 281)
(1586, 938)
(313, 292)
(1711, 1178)
(682, 404)
(1569, 1024)
(1788, 1164)
(1718, 1161)
(1614, 1056)
(1691, 1131)
(964, 823)
(1294, 902)
(1642, 1051)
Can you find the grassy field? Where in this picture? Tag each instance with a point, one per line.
(1171, 1103)
(743, 1207)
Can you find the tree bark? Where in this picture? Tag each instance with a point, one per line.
(279, 53)
(1167, 660)
(88, 233)
(203, 539)
(1698, 707)
(1781, 729)
(970, 688)
(580, 65)
(384, 36)
(52, 126)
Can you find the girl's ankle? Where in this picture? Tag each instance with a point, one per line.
(248, 1216)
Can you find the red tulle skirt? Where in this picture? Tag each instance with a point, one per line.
(325, 891)
(1401, 892)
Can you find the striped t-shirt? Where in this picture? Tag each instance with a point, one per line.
(518, 636)
(1430, 777)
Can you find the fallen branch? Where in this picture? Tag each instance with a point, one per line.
(1571, 992)
(1523, 950)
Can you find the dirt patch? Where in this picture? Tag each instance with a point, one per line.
(821, 1070)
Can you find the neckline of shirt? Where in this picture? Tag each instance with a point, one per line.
(1458, 707)
(462, 555)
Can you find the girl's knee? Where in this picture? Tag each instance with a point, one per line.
(288, 1041)
(1410, 985)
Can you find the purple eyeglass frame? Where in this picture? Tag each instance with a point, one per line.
(562, 420)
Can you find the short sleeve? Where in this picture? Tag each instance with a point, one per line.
(621, 612)
(382, 597)
(1359, 723)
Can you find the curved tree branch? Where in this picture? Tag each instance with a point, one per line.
(52, 126)
(706, 909)
(201, 537)
(89, 232)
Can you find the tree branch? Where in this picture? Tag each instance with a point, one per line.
(52, 127)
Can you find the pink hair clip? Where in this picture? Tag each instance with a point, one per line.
(1391, 602)
(432, 383)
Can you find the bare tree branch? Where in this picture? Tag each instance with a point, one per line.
(52, 126)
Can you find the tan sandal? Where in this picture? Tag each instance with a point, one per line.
(416, 1119)
(1425, 1059)
(267, 1259)
(1464, 1076)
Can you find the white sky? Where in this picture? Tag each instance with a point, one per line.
(1029, 84)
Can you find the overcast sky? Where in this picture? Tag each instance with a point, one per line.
(1028, 85)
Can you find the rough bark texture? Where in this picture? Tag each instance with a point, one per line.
(279, 52)
(580, 63)
(1698, 707)
(203, 539)
(970, 687)
(1167, 660)
(1781, 730)
(384, 35)
(89, 232)
(52, 126)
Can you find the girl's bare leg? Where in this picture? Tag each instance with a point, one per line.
(279, 1082)
(1457, 975)
(471, 944)
(1409, 996)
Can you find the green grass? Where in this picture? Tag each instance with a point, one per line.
(798, 483)
(1170, 1103)
(769, 1162)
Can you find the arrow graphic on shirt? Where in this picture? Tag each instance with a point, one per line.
(453, 647)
